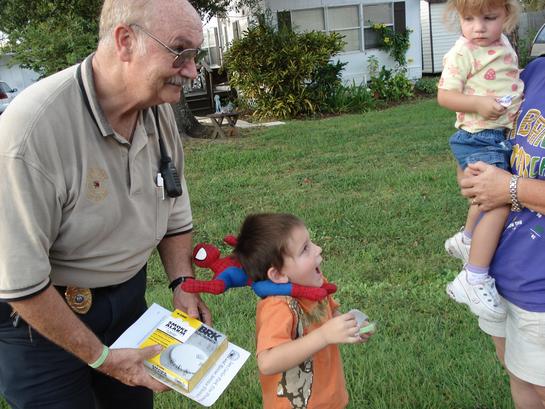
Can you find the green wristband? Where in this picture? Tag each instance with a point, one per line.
(101, 358)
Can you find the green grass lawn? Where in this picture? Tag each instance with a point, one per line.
(378, 194)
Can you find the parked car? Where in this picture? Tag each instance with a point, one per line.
(538, 46)
(6, 95)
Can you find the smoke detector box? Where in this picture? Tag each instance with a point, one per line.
(190, 348)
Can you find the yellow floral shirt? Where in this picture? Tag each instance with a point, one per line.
(485, 71)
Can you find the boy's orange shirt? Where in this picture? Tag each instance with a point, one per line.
(319, 381)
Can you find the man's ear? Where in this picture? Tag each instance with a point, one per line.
(125, 42)
(276, 276)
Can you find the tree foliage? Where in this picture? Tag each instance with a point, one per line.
(49, 35)
(533, 5)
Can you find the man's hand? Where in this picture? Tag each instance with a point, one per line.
(175, 252)
(192, 304)
(127, 366)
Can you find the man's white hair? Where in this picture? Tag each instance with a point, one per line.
(116, 12)
(141, 12)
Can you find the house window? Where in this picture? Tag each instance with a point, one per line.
(236, 30)
(225, 37)
(308, 20)
(213, 49)
(346, 21)
(374, 14)
(284, 20)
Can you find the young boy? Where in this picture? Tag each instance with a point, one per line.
(297, 354)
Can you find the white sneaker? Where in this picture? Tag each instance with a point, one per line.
(456, 247)
(483, 299)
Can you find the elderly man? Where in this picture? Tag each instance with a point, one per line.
(93, 182)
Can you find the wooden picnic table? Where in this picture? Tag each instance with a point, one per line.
(220, 126)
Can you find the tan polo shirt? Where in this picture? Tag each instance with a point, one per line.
(79, 204)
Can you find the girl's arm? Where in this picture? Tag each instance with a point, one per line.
(342, 329)
(485, 106)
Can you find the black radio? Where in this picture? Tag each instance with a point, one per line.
(171, 180)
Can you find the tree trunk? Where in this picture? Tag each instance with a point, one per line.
(186, 121)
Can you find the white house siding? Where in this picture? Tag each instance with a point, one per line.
(427, 61)
(356, 69)
(15, 76)
(437, 41)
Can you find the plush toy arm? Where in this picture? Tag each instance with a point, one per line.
(204, 286)
(329, 287)
(267, 288)
(310, 293)
(230, 240)
(231, 277)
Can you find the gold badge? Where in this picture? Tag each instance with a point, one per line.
(79, 299)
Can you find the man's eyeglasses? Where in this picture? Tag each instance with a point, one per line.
(181, 57)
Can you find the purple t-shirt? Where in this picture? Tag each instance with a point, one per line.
(519, 262)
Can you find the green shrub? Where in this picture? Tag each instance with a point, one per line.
(351, 99)
(282, 74)
(325, 83)
(426, 86)
(391, 86)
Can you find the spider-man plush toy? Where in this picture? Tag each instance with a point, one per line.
(228, 273)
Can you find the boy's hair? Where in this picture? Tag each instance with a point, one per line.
(462, 7)
(263, 241)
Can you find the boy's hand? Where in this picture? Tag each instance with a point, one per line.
(489, 107)
(364, 337)
(342, 329)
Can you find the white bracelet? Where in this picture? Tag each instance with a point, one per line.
(513, 192)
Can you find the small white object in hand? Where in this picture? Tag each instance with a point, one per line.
(505, 101)
(362, 318)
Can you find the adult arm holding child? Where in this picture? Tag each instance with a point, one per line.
(489, 186)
